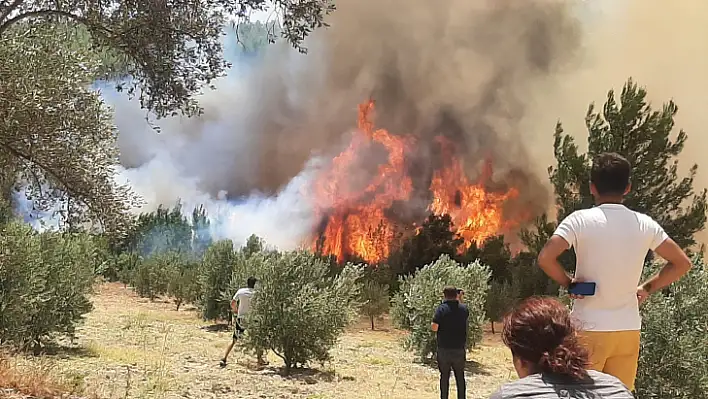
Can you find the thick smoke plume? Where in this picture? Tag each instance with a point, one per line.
(468, 70)
(661, 46)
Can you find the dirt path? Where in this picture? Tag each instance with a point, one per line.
(133, 348)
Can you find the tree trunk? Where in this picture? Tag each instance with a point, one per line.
(179, 302)
(372, 322)
(493, 328)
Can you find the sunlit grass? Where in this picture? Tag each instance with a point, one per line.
(131, 348)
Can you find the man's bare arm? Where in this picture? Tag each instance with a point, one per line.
(548, 260)
(234, 305)
(678, 265)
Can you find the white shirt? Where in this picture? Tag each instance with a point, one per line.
(611, 243)
(243, 296)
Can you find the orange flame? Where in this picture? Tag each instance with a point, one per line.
(355, 214)
(476, 213)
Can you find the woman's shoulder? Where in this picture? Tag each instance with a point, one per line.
(602, 380)
(533, 384)
(540, 386)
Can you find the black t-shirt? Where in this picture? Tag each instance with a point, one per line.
(451, 318)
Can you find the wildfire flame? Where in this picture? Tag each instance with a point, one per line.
(355, 219)
(475, 213)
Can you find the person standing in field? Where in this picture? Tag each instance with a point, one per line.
(611, 244)
(241, 305)
(450, 324)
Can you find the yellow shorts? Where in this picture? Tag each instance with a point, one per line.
(615, 353)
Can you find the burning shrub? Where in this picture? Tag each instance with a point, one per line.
(45, 280)
(420, 294)
(298, 312)
(673, 361)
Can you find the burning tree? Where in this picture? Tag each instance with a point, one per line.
(360, 197)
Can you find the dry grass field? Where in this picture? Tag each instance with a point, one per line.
(130, 347)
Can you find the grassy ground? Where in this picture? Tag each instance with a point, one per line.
(133, 348)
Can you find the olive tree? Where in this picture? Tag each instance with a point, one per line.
(420, 294)
(298, 310)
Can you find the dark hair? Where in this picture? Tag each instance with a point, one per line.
(450, 292)
(610, 173)
(251, 282)
(541, 332)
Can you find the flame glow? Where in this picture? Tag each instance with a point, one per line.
(355, 220)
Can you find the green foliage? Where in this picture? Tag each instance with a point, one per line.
(299, 312)
(673, 361)
(630, 127)
(419, 295)
(162, 230)
(201, 236)
(495, 253)
(254, 244)
(500, 298)
(45, 280)
(249, 262)
(528, 279)
(252, 37)
(152, 276)
(183, 284)
(435, 238)
(125, 264)
(215, 277)
(173, 273)
(57, 139)
(374, 300)
(166, 52)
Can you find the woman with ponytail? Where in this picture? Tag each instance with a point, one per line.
(549, 358)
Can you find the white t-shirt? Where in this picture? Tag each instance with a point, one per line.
(243, 296)
(611, 243)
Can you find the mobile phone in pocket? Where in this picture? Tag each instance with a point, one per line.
(582, 288)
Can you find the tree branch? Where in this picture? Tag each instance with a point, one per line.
(47, 13)
(10, 8)
(48, 170)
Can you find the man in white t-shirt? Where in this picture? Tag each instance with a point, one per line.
(241, 305)
(611, 243)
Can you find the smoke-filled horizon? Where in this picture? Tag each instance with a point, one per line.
(493, 76)
(464, 70)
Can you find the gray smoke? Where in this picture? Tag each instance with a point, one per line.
(468, 70)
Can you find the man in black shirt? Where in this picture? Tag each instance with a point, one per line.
(450, 324)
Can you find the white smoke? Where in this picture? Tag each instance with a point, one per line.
(194, 161)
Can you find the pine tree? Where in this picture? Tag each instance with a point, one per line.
(633, 129)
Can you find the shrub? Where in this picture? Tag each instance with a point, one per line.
(673, 360)
(419, 296)
(152, 276)
(374, 300)
(125, 264)
(249, 262)
(214, 279)
(500, 298)
(183, 285)
(45, 280)
(299, 312)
